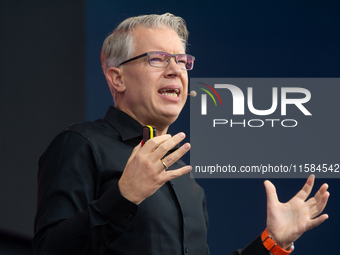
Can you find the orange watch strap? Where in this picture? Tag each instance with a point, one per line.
(271, 245)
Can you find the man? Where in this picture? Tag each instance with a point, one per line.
(102, 192)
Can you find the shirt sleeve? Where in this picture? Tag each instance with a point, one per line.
(255, 247)
(71, 218)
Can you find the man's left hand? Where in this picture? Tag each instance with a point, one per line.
(286, 222)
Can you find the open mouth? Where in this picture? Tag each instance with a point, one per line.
(169, 92)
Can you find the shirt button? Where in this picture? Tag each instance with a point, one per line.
(186, 250)
(172, 184)
(183, 214)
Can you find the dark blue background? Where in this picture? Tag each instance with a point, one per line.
(237, 39)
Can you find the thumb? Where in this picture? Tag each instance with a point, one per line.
(271, 192)
(134, 152)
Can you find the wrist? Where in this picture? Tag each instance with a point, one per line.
(270, 244)
(283, 245)
(127, 194)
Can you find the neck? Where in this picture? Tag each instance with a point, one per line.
(160, 131)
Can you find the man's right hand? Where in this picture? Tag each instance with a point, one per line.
(145, 173)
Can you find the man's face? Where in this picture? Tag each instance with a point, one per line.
(154, 96)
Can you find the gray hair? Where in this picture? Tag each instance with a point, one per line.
(120, 45)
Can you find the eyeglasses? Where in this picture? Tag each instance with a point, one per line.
(162, 59)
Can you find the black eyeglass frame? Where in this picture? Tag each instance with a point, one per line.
(171, 55)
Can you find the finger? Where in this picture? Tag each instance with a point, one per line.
(134, 151)
(316, 222)
(172, 174)
(153, 143)
(165, 146)
(321, 191)
(307, 188)
(176, 155)
(271, 193)
(320, 205)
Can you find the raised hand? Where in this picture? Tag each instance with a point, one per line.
(286, 222)
(145, 173)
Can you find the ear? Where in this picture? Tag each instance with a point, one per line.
(114, 80)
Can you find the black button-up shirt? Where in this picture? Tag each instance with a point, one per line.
(80, 208)
(81, 211)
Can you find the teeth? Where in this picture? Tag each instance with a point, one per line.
(172, 94)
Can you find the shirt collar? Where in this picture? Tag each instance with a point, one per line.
(127, 127)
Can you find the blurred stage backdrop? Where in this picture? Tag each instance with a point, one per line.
(50, 77)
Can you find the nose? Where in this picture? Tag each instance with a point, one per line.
(173, 68)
